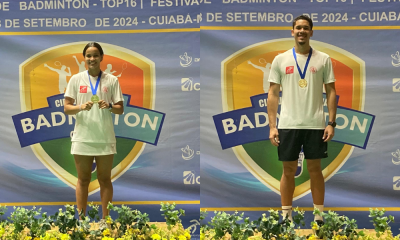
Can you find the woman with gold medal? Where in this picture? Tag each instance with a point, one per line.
(92, 96)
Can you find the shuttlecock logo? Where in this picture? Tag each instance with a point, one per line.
(396, 84)
(189, 177)
(396, 183)
(187, 84)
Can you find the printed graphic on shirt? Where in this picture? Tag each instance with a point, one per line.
(313, 69)
(83, 89)
(44, 127)
(243, 125)
(289, 70)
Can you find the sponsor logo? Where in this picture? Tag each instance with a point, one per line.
(44, 127)
(83, 89)
(289, 70)
(189, 178)
(396, 59)
(396, 183)
(243, 125)
(300, 164)
(396, 157)
(396, 84)
(188, 85)
(187, 153)
(194, 225)
(186, 60)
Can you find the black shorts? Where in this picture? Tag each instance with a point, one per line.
(291, 141)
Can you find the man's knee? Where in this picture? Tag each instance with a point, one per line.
(314, 168)
(289, 170)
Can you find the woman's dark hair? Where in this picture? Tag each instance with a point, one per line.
(93, 44)
(303, 17)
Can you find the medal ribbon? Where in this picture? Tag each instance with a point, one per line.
(302, 74)
(94, 90)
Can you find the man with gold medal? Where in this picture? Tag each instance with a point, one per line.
(92, 96)
(302, 73)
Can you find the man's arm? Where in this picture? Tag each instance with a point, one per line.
(71, 109)
(272, 108)
(331, 102)
(118, 108)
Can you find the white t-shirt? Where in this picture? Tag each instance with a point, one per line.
(302, 108)
(96, 125)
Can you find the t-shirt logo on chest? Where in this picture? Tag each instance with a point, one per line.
(83, 89)
(313, 69)
(289, 70)
(105, 89)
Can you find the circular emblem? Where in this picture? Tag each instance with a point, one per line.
(313, 69)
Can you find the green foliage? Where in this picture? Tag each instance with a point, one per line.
(3, 210)
(271, 228)
(203, 214)
(68, 224)
(130, 225)
(204, 227)
(93, 213)
(127, 219)
(335, 225)
(65, 221)
(171, 215)
(32, 219)
(233, 224)
(380, 221)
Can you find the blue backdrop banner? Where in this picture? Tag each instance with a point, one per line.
(239, 166)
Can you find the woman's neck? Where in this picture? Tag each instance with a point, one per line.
(94, 72)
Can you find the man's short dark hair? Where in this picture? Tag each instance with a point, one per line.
(303, 17)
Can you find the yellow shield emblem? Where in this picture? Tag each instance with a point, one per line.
(245, 74)
(47, 73)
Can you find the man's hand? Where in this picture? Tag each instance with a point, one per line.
(328, 133)
(103, 104)
(87, 106)
(274, 136)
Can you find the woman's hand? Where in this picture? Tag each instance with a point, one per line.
(87, 106)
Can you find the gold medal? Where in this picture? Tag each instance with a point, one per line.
(95, 99)
(303, 83)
